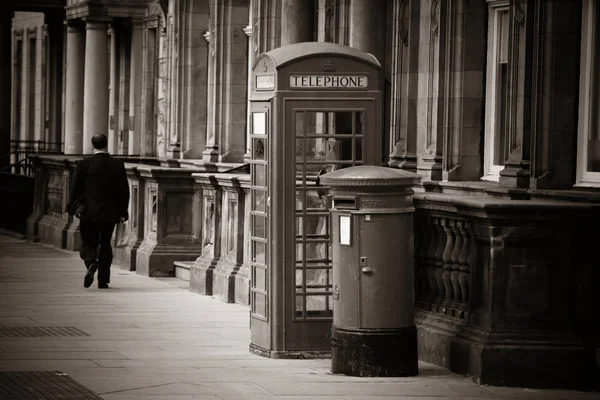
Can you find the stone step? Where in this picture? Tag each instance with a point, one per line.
(182, 269)
(173, 281)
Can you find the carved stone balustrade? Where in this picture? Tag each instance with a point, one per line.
(502, 286)
(170, 231)
(442, 283)
(126, 256)
(49, 223)
(222, 269)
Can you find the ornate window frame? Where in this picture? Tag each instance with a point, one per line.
(492, 106)
(588, 100)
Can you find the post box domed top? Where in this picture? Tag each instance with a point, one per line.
(369, 175)
(286, 54)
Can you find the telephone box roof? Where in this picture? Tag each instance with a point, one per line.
(283, 55)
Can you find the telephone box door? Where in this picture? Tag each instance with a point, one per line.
(325, 136)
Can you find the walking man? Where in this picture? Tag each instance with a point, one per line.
(99, 198)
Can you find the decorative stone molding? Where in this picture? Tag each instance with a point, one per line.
(164, 5)
(223, 268)
(520, 12)
(435, 17)
(403, 21)
(169, 234)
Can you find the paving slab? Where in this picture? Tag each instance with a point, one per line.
(152, 339)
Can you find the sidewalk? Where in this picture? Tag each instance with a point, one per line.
(149, 339)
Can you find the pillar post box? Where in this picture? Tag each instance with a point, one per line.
(373, 331)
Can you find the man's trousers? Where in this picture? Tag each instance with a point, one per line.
(95, 246)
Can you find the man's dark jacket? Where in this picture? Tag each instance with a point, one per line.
(100, 190)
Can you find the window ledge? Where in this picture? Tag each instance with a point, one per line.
(493, 190)
(587, 185)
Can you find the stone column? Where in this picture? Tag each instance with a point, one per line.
(24, 125)
(149, 91)
(366, 22)
(227, 78)
(38, 88)
(174, 35)
(193, 96)
(464, 97)
(520, 61)
(123, 88)
(74, 89)
(54, 75)
(404, 82)
(95, 96)
(5, 85)
(266, 25)
(113, 99)
(430, 106)
(135, 91)
(297, 20)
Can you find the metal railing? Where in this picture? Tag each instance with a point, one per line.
(21, 152)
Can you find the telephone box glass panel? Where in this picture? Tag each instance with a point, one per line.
(259, 217)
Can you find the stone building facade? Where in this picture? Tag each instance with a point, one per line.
(495, 103)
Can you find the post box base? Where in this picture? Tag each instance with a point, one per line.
(388, 353)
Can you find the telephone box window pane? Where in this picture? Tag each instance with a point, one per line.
(316, 226)
(299, 306)
(316, 123)
(299, 280)
(316, 149)
(317, 279)
(299, 200)
(258, 253)
(260, 202)
(358, 124)
(259, 304)
(260, 278)
(259, 227)
(341, 123)
(318, 306)
(299, 123)
(329, 149)
(313, 201)
(260, 172)
(259, 149)
(358, 151)
(299, 252)
(317, 252)
(259, 123)
(300, 149)
(299, 227)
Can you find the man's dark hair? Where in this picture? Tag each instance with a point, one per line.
(99, 141)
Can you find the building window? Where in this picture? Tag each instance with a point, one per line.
(496, 87)
(588, 151)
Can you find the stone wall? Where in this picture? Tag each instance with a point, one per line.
(502, 288)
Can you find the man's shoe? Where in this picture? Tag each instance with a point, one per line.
(102, 285)
(89, 276)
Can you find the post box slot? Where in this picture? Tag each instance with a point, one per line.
(345, 203)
